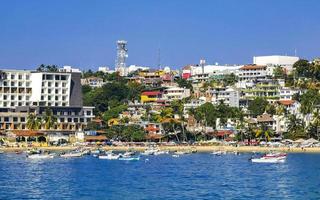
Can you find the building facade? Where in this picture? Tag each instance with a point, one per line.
(23, 92)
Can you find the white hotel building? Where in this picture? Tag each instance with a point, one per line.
(23, 92)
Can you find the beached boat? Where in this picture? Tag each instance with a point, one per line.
(129, 158)
(75, 154)
(111, 156)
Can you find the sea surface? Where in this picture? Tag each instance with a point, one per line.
(194, 176)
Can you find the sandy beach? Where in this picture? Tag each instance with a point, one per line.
(247, 149)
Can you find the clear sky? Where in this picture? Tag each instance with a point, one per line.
(83, 33)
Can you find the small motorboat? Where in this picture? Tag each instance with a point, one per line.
(181, 152)
(270, 158)
(175, 156)
(75, 154)
(160, 153)
(127, 154)
(149, 152)
(129, 158)
(110, 156)
(40, 156)
(219, 153)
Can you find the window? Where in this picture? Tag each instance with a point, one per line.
(12, 83)
(15, 119)
(61, 119)
(20, 76)
(6, 119)
(20, 98)
(88, 112)
(57, 84)
(20, 84)
(27, 77)
(27, 84)
(75, 119)
(12, 76)
(63, 77)
(64, 84)
(56, 91)
(69, 119)
(49, 91)
(49, 98)
(12, 97)
(49, 84)
(56, 98)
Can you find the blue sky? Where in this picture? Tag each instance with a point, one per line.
(83, 33)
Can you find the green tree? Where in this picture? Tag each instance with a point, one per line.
(295, 128)
(33, 123)
(279, 72)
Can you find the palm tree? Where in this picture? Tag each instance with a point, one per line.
(295, 127)
(49, 119)
(33, 123)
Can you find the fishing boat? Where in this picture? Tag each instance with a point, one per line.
(111, 156)
(127, 154)
(129, 158)
(72, 154)
(175, 156)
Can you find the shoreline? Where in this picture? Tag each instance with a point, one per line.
(199, 149)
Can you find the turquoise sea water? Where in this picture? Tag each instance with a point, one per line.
(195, 176)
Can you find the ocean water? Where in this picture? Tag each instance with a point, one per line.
(195, 176)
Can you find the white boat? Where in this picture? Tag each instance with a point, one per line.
(271, 158)
(127, 154)
(129, 158)
(219, 153)
(160, 152)
(109, 156)
(71, 155)
(1, 152)
(175, 156)
(268, 160)
(40, 156)
(149, 152)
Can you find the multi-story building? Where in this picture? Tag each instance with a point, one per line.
(267, 88)
(175, 93)
(229, 96)
(252, 72)
(276, 60)
(23, 92)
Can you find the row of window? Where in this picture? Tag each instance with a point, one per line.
(56, 84)
(14, 97)
(56, 98)
(60, 120)
(17, 76)
(13, 84)
(56, 91)
(54, 77)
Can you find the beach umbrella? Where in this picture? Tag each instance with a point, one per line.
(312, 141)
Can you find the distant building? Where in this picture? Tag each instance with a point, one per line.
(228, 96)
(175, 93)
(252, 72)
(92, 81)
(105, 70)
(276, 60)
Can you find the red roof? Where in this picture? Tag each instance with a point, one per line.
(286, 102)
(151, 93)
(251, 67)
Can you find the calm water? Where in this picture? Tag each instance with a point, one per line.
(196, 176)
